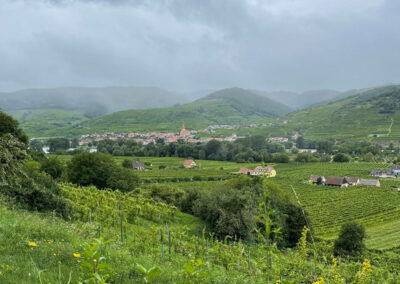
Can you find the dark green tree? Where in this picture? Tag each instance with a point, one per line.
(350, 240)
(91, 169)
(52, 166)
(341, 158)
(56, 144)
(8, 125)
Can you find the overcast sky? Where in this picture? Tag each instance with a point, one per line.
(200, 44)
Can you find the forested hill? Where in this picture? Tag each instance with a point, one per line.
(248, 102)
(230, 106)
(373, 114)
(104, 100)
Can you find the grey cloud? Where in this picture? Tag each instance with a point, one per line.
(188, 45)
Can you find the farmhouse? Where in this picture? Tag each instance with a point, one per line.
(382, 173)
(259, 171)
(189, 164)
(395, 169)
(352, 181)
(392, 172)
(370, 182)
(138, 165)
(336, 181)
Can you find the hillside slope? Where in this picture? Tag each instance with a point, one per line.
(41, 110)
(107, 99)
(230, 106)
(373, 115)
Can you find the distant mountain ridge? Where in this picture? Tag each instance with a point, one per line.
(227, 106)
(105, 99)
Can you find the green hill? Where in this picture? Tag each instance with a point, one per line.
(373, 114)
(229, 106)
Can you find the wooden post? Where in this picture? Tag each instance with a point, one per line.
(162, 252)
(122, 235)
(249, 261)
(169, 242)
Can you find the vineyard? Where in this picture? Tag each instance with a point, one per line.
(329, 207)
(178, 247)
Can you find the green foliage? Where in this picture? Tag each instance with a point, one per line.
(52, 166)
(305, 157)
(148, 274)
(341, 158)
(350, 240)
(230, 208)
(8, 125)
(127, 164)
(57, 144)
(369, 157)
(122, 179)
(13, 152)
(100, 170)
(94, 263)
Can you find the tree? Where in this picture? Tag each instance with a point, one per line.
(350, 240)
(369, 157)
(101, 171)
(91, 169)
(127, 164)
(52, 166)
(13, 152)
(305, 157)
(341, 158)
(8, 125)
(122, 179)
(280, 158)
(300, 142)
(58, 144)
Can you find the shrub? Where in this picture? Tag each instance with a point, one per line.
(350, 240)
(52, 166)
(341, 158)
(127, 164)
(101, 171)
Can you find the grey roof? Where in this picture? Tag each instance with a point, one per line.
(370, 182)
(395, 167)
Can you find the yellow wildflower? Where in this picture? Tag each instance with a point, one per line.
(278, 281)
(77, 255)
(94, 260)
(54, 254)
(192, 261)
(335, 261)
(32, 244)
(320, 281)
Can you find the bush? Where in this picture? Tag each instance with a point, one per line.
(341, 158)
(101, 171)
(122, 179)
(127, 164)
(350, 240)
(52, 166)
(230, 209)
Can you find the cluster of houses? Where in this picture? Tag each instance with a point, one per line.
(343, 181)
(151, 137)
(391, 172)
(259, 171)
